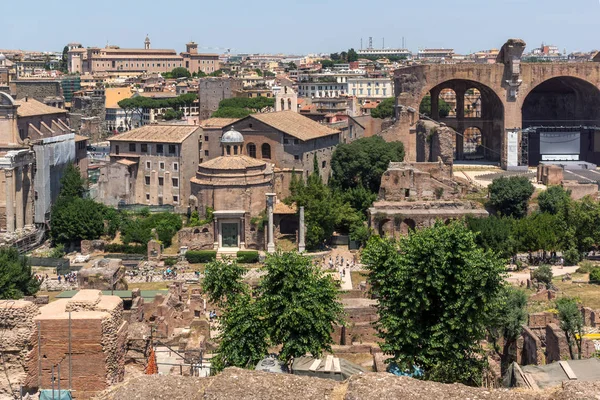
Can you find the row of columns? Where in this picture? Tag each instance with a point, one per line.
(18, 211)
(270, 231)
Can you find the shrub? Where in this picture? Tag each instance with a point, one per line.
(543, 274)
(58, 251)
(247, 257)
(585, 267)
(595, 276)
(125, 249)
(200, 256)
(169, 262)
(510, 196)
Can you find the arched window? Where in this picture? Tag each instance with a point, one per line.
(282, 105)
(228, 150)
(235, 150)
(266, 151)
(289, 104)
(251, 150)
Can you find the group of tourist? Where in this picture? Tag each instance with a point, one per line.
(69, 278)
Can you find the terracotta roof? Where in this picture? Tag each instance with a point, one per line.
(32, 107)
(282, 208)
(295, 125)
(127, 162)
(217, 122)
(115, 95)
(79, 138)
(157, 134)
(232, 162)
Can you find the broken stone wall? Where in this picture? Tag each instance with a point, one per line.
(197, 238)
(16, 326)
(435, 142)
(557, 347)
(529, 349)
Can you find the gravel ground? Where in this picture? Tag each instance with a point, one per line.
(238, 384)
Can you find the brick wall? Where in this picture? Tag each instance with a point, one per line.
(557, 347)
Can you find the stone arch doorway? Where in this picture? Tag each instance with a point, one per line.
(562, 113)
(407, 226)
(472, 143)
(386, 228)
(476, 105)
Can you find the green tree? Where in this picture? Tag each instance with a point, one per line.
(595, 276)
(443, 107)
(180, 72)
(554, 199)
(75, 219)
(172, 114)
(223, 281)
(434, 297)
(505, 321)
(300, 303)
(231, 112)
(63, 66)
(510, 196)
(543, 274)
(363, 162)
(495, 234)
(72, 184)
(327, 64)
(291, 66)
(571, 323)
(352, 55)
(16, 279)
(244, 334)
(385, 109)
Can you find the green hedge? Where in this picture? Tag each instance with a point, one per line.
(595, 276)
(200, 256)
(247, 257)
(125, 249)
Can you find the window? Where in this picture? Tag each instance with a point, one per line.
(117, 149)
(206, 138)
(296, 157)
(175, 182)
(206, 153)
(175, 199)
(175, 166)
(147, 178)
(161, 165)
(144, 148)
(265, 151)
(323, 164)
(148, 196)
(286, 141)
(159, 148)
(132, 147)
(161, 181)
(251, 150)
(296, 141)
(172, 149)
(148, 165)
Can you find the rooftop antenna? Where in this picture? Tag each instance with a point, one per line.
(403, 42)
(383, 44)
(370, 42)
(361, 43)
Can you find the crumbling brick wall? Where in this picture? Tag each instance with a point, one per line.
(557, 347)
(529, 348)
(16, 325)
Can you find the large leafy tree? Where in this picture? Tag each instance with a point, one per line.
(510, 196)
(385, 109)
(223, 281)
(72, 183)
(363, 162)
(300, 304)
(506, 319)
(571, 322)
(180, 72)
(352, 55)
(554, 199)
(16, 279)
(435, 288)
(495, 234)
(244, 334)
(139, 230)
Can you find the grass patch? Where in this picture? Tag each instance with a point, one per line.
(358, 277)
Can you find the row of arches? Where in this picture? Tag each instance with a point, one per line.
(265, 151)
(476, 112)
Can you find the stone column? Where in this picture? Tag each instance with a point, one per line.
(10, 201)
(19, 198)
(460, 122)
(270, 205)
(435, 103)
(243, 233)
(216, 233)
(301, 232)
(29, 205)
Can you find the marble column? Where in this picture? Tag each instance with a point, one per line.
(29, 193)
(460, 121)
(243, 233)
(10, 201)
(301, 232)
(270, 205)
(216, 234)
(435, 104)
(19, 208)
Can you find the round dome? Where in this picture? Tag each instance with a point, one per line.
(2, 56)
(232, 137)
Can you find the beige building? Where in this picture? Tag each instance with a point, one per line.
(113, 59)
(151, 165)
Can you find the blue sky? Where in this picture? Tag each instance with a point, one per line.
(300, 27)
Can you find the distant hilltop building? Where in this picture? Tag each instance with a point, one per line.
(113, 59)
(436, 54)
(401, 53)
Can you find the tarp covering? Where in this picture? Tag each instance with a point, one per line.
(545, 376)
(49, 394)
(302, 366)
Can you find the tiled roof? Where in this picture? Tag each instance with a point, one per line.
(157, 134)
(217, 122)
(282, 208)
(232, 162)
(114, 95)
(295, 125)
(32, 107)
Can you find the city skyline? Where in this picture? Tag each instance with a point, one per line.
(467, 26)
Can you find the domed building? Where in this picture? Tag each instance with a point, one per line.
(237, 188)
